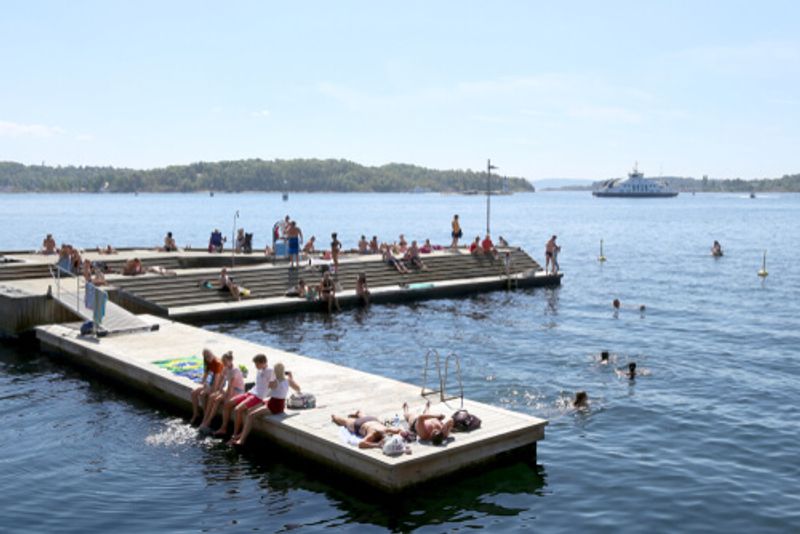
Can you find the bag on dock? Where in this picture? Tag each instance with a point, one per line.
(463, 421)
(302, 401)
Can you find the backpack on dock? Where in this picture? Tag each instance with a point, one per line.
(463, 421)
(301, 401)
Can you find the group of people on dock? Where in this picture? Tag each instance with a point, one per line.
(223, 385)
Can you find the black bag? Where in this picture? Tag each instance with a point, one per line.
(463, 421)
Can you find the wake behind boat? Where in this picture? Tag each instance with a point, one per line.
(634, 186)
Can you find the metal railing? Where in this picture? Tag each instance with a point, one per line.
(443, 377)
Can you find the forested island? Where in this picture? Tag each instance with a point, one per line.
(251, 175)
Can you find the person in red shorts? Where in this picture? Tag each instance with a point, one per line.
(241, 403)
(278, 390)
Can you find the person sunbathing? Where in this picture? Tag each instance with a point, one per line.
(108, 249)
(428, 426)
(48, 245)
(390, 260)
(413, 258)
(366, 427)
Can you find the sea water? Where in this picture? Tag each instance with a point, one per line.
(705, 440)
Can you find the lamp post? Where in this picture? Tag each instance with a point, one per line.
(489, 168)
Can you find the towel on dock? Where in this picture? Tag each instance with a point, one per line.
(348, 437)
(191, 367)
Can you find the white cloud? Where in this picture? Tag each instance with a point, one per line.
(16, 129)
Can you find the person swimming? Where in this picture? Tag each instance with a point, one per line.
(604, 356)
(631, 370)
(581, 400)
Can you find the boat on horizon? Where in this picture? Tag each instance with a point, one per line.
(634, 186)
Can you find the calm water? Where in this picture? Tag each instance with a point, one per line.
(706, 441)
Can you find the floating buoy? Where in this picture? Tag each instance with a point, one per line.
(763, 272)
(601, 258)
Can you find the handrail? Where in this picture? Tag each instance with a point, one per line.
(433, 353)
(458, 370)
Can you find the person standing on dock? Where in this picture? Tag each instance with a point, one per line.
(549, 250)
(336, 247)
(294, 235)
(455, 232)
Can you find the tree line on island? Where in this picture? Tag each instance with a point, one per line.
(251, 175)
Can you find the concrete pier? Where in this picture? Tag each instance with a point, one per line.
(25, 283)
(308, 433)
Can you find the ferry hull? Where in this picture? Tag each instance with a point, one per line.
(607, 194)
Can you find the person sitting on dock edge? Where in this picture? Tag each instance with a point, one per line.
(413, 258)
(488, 247)
(475, 247)
(210, 383)
(428, 426)
(276, 403)
(233, 385)
(366, 427)
(390, 260)
(169, 244)
(327, 291)
(244, 401)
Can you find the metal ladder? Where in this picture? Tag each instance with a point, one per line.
(433, 354)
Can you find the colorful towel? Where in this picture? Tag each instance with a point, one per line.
(191, 367)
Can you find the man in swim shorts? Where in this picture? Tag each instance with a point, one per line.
(549, 250)
(428, 426)
(367, 427)
(293, 235)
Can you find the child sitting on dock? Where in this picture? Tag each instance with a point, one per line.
(278, 391)
(210, 383)
(366, 427)
(428, 426)
(239, 404)
(233, 385)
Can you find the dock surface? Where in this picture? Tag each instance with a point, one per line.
(309, 433)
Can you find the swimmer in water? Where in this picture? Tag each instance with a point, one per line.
(604, 356)
(616, 303)
(631, 370)
(581, 400)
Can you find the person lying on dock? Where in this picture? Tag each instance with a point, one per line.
(211, 382)
(48, 245)
(374, 247)
(92, 275)
(233, 379)
(488, 247)
(428, 426)
(216, 242)
(390, 260)
(276, 404)
(327, 291)
(134, 267)
(413, 258)
(362, 290)
(366, 427)
(239, 404)
(108, 249)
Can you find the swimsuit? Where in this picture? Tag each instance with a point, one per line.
(358, 423)
(294, 246)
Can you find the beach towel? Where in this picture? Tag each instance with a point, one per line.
(191, 367)
(347, 437)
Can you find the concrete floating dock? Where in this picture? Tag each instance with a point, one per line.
(24, 303)
(308, 433)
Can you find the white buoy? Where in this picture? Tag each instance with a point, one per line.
(763, 272)
(601, 258)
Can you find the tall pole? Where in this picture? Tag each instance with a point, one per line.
(489, 168)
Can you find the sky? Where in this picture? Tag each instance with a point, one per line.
(579, 89)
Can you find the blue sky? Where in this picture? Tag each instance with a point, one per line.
(545, 89)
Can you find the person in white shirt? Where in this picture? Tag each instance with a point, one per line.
(279, 390)
(249, 399)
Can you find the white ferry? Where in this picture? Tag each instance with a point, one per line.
(634, 186)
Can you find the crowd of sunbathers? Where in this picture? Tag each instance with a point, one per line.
(222, 389)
